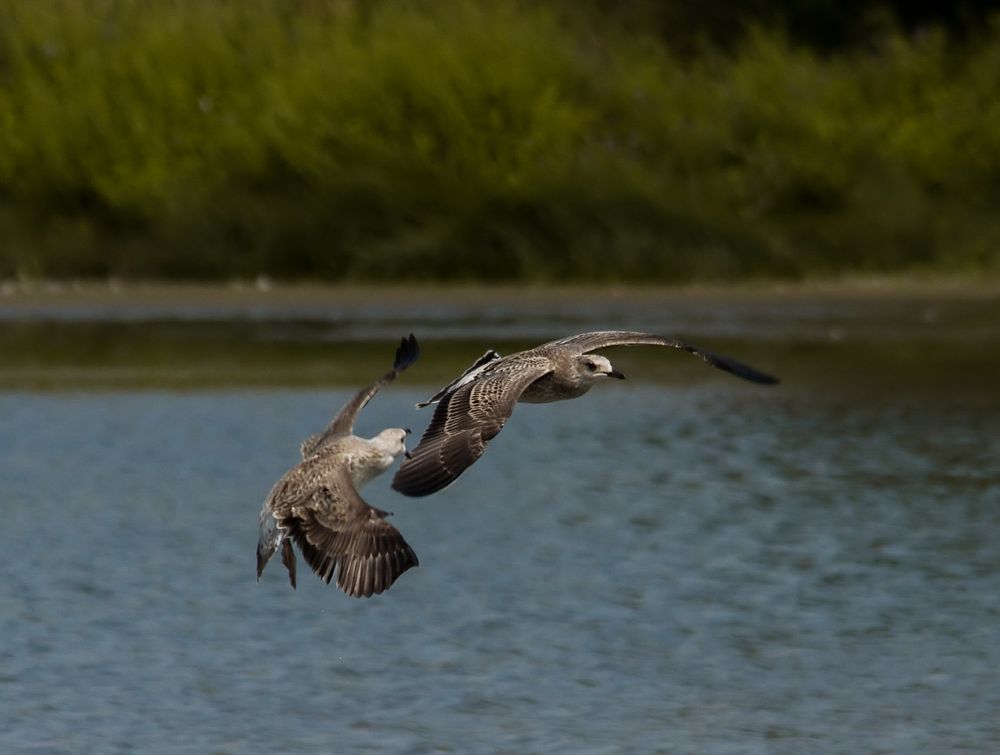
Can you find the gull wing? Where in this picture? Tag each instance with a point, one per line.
(468, 376)
(339, 533)
(343, 424)
(600, 339)
(268, 540)
(464, 421)
(292, 489)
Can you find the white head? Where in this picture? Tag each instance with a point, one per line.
(392, 441)
(592, 368)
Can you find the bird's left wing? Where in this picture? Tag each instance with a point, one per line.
(343, 424)
(600, 339)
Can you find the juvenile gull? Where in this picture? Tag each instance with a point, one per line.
(473, 408)
(317, 505)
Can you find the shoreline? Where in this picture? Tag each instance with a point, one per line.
(859, 332)
(26, 297)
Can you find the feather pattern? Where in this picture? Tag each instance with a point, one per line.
(464, 421)
(340, 535)
(472, 409)
(316, 504)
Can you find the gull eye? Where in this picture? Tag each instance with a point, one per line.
(591, 366)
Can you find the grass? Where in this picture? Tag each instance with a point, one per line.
(464, 141)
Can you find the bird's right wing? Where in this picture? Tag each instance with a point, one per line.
(464, 421)
(343, 424)
(339, 533)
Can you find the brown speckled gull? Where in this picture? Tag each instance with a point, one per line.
(473, 408)
(317, 506)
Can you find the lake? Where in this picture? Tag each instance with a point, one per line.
(680, 563)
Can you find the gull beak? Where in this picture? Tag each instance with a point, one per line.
(407, 455)
(407, 430)
(617, 374)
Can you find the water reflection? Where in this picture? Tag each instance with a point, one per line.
(939, 340)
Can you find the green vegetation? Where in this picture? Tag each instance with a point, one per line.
(462, 140)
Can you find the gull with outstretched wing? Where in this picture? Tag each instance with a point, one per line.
(473, 409)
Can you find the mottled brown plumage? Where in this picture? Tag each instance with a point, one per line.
(473, 409)
(317, 506)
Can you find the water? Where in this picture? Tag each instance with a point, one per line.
(708, 568)
(680, 563)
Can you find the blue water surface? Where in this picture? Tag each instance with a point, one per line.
(711, 568)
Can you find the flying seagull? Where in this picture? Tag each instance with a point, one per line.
(317, 505)
(473, 408)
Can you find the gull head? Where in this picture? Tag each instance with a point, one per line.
(392, 441)
(593, 367)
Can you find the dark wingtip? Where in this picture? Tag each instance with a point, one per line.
(755, 376)
(407, 353)
(740, 370)
(416, 488)
(288, 559)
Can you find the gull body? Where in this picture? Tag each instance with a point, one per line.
(472, 409)
(316, 504)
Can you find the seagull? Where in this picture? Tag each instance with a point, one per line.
(316, 503)
(473, 408)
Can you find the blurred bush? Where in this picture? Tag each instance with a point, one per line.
(462, 140)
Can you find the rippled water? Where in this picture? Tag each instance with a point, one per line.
(700, 568)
